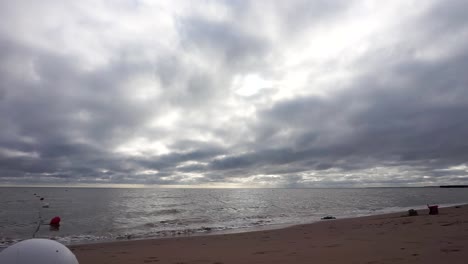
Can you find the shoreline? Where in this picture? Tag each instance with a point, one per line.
(174, 233)
(240, 230)
(379, 232)
(266, 227)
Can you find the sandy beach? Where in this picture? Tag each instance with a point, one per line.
(390, 238)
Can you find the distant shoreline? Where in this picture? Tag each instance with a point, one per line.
(228, 188)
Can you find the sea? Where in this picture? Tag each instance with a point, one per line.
(90, 215)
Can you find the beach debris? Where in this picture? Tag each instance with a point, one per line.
(412, 212)
(433, 209)
(42, 199)
(328, 217)
(45, 205)
(458, 206)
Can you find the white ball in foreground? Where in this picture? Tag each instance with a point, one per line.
(37, 251)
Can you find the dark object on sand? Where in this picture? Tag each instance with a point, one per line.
(42, 198)
(458, 206)
(328, 217)
(433, 209)
(412, 212)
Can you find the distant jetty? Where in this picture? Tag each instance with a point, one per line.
(453, 186)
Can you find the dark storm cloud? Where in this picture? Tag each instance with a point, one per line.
(48, 108)
(65, 119)
(41, 115)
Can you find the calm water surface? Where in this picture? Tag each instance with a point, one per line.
(92, 214)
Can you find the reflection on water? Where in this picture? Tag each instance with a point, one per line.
(91, 214)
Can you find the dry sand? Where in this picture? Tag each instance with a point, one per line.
(387, 238)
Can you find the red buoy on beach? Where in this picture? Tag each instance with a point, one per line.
(433, 209)
(55, 221)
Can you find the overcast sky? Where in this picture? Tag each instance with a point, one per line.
(313, 93)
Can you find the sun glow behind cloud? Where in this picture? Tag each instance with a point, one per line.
(250, 84)
(142, 147)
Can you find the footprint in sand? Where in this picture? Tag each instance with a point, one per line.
(333, 245)
(449, 224)
(450, 249)
(151, 259)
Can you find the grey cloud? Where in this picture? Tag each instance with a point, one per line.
(445, 17)
(418, 120)
(399, 111)
(299, 15)
(238, 49)
(423, 123)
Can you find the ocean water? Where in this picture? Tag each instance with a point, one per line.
(94, 214)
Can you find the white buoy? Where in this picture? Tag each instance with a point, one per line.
(37, 251)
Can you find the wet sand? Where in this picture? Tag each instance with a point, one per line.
(390, 238)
